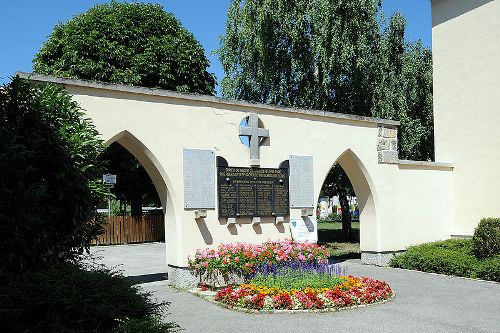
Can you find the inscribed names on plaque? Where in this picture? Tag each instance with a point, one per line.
(252, 192)
(199, 178)
(301, 181)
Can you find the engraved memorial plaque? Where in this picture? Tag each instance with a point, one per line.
(301, 182)
(252, 192)
(199, 179)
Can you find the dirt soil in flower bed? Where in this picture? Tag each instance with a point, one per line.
(353, 293)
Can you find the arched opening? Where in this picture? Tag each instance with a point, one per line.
(152, 207)
(347, 194)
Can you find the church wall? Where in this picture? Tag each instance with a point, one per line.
(466, 53)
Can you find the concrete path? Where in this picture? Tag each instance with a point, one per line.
(424, 302)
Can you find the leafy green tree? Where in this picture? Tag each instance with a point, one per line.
(49, 177)
(403, 90)
(128, 43)
(134, 44)
(333, 55)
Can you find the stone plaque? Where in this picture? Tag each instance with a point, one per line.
(304, 230)
(301, 182)
(199, 178)
(252, 192)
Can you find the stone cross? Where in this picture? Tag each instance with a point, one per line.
(255, 134)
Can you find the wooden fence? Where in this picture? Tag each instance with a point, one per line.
(132, 229)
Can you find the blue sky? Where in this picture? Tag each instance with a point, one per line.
(27, 23)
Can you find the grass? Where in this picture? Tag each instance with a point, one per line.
(297, 279)
(330, 236)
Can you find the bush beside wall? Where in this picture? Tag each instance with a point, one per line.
(486, 240)
(451, 257)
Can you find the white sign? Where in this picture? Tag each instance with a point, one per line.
(304, 229)
(109, 179)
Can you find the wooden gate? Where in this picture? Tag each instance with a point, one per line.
(132, 229)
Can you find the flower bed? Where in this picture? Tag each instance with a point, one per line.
(244, 260)
(351, 291)
(281, 275)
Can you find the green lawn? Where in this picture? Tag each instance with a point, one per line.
(330, 236)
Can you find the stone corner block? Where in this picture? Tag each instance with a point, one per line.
(383, 144)
(388, 157)
(387, 132)
(378, 258)
(181, 277)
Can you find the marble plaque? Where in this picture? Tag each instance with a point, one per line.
(199, 179)
(301, 181)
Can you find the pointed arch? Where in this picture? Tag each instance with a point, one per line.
(366, 197)
(158, 176)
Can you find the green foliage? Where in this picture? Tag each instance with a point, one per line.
(129, 43)
(333, 217)
(72, 299)
(451, 257)
(297, 279)
(486, 240)
(337, 56)
(489, 269)
(151, 324)
(49, 177)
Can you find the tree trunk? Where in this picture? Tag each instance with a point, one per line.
(346, 215)
(136, 206)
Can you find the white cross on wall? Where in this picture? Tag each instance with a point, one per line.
(255, 134)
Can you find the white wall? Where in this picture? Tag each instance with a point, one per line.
(157, 128)
(466, 60)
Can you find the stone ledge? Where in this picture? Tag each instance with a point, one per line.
(409, 164)
(197, 97)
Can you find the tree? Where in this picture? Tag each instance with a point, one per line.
(333, 55)
(133, 183)
(49, 177)
(338, 184)
(128, 43)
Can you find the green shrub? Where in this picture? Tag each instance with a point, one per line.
(152, 324)
(49, 177)
(489, 269)
(452, 257)
(486, 240)
(71, 299)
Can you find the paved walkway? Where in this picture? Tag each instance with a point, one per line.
(423, 303)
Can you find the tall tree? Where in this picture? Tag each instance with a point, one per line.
(128, 43)
(333, 55)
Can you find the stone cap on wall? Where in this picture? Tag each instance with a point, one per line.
(197, 97)
(409, 164)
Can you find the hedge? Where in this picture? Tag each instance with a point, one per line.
(451, 257)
